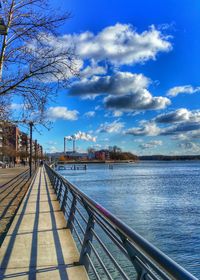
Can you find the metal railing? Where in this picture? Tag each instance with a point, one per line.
(109, 249)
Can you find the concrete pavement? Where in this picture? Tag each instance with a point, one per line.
(38, 245)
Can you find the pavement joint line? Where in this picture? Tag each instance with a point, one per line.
(42, 212)
(42, 230)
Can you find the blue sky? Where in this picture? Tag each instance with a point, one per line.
(139, 85)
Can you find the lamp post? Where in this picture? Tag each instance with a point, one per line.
(31, 148)
(36, 153)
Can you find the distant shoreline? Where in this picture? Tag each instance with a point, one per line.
(96, 161)
(140, 158)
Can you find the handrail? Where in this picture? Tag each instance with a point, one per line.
(149, 262)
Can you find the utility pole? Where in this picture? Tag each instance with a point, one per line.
(31, 150)
(36, 154)
(64, 145)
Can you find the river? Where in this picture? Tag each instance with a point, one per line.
(159, 200)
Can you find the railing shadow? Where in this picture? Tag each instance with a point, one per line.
(11, 243)
(59, 253)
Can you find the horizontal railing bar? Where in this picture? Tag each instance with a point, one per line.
(78, 236)
(84, 219)
(142, 258)
(150, 273)
(93, 267)
(100, 261)
(81, 228)
(110, 256)
(119, 245)
(112, 236)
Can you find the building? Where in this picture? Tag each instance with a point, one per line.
(102, 155)
(15, 144)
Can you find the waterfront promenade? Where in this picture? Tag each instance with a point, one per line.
(14, 183)
(38, 245)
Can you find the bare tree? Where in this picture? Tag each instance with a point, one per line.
(31, 67)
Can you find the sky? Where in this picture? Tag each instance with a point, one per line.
(139, 83)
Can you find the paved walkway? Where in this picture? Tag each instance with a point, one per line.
(6, 174)
(38, 244)
(11, 194)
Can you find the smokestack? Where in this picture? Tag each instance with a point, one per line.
(64, 145)
(74, 145)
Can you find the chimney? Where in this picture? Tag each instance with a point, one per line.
(64, 145)
(74, 146)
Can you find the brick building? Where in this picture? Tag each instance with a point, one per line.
(15, 144)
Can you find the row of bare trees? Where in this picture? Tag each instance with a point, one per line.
(31, 68)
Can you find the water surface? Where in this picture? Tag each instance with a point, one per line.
(159, 200)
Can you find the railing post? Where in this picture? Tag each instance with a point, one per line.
(142, 273)
(64, 201)
(60, 190)
(57, 184)
(86, 248)
(71, 214)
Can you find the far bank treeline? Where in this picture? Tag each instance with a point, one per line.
(123, 156)
(175, 157)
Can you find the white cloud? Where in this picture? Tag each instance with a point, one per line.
(120, 44)
(113, 127)
(146, 129)
(117, 113)
(151, 144)
(191, 147)
(126, 91)
(90, 114)
(93, 69)
(140, 100)
(59, 112)
(180, 115)
(182, 89)
(119, 83)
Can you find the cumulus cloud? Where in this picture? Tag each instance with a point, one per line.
(181, 124)
(180, 128)
(90, 114)
(126, 91)
(59, 112)
(93, 69)
(120, 83)
(120, 44)
(191, 147)
(113, 127)
(140, 100)
(182, 89)
(151, 144)
(81, 136)
(146, 129)
(180, 115)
